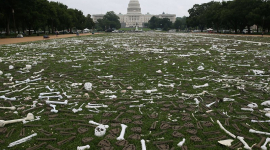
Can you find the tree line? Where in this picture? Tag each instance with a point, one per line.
(236, 15)
(40, 15)
(165, 23)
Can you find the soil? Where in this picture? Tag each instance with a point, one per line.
(37, 38)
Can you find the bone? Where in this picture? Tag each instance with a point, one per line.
(209, 105)
(116, 118)
(34, 104)
(10, 108)
(227, 142)
(141, 105)
(143, 144)
(95, 106)
(68, 96)
(88, 86)
(57, 102)
(11, 83)
(10, 67)
(181, 143)
(258, 132)
(167, 86)
(263, 147)
(247, 109)
(49, 88)
(98, 124)
(28, 67)
(22, 140)
(229, 133)
(38, 72)
(200, 86)
(244, 142)
(1, 72)
(37, 118)
(48, 97)
(258, 146)
(6, 98)
(10, 80)
(107, 77)
(29, 116)
(42, 94)
(76, 110)
(122, 134)
(53, 110)
(83, 147)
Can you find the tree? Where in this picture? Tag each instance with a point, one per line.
(153, 22)
(109, 21)
(89, 23)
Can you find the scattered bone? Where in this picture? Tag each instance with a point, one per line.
(9, 99)
(229, 133)
(22, 140)
(83, 147)
(122, 134)
(28, 117)
(57, 102)
(88, 86)
(53, 110)
(10, 108)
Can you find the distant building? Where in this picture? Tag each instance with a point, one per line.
(134, 17)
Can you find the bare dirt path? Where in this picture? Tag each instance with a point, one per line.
(37, 38)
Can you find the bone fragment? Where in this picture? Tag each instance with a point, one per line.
(122, 134)
(22, 140)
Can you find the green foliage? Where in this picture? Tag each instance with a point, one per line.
(236, 15)
(109, 21)
(164, 23)
(40, 15)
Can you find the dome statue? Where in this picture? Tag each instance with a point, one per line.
(134, 7)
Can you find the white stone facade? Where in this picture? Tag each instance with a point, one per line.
(134, 17)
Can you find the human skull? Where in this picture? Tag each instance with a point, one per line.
(88, 86)
(252, 105)
(100, 130)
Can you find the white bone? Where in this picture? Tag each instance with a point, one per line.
(181, 143)
(98, 124)
(37, 118)
(143, 144)
(263, 147)
(266, 103)
(83, 147)
(96, 106)
(209, 105)
(49, 88)
(258, 132)
(76, 110)
(111, 76)
(34, 104)
(122, 134)
(10, 80)
(68, 96)
(229, 133)
(11, 83)
(141, 105)
(48, 97)
(244, 142)
(100, 131)
(10, 108)
(200, 86)
(167, 86)
(29, 116)
(88, 86)
(252, 105)
(159, 71)
(22, 140)
(227, 143)
(42, 94)
(39, 71)
(11, 67)
(228, 100)
(6, 98)
(258, 72)
(1, 72)
(247, 109)
(28, 67)
(53, 110)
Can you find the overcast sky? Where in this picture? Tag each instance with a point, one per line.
(178, 7)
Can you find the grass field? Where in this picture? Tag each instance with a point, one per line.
(160, 83)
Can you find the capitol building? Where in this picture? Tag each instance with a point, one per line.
(134, 17)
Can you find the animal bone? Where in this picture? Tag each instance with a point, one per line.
(10, 108)
(28, 67)
(57, 102)
(98, 124)
(34, 104)
(76, 110)
(227, 143)
(37, 118)
(68, 96)
(248, 109)
(244, 142)
(209, 105)
(48, 97)
(122, 134)
(11, 67)
(10, 99)
(181, 143)
(49, 88)
(83, 147)
(29, 116)
(266, 103)
(95, 106)
(228, 99)
(263, 147)
(167, 86)
(1, 72)
(22, 140)
(42, 94)
(200, 86)
(53, 110)
(220, 125)
(252, 105)
(109, 77)
(258, 132)
(38, 72)
(141, 105)
(143, 144)
(11, 83)
(88, 86)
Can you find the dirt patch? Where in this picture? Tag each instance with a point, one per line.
(37, 38)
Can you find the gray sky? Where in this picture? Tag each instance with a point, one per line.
(178, 7)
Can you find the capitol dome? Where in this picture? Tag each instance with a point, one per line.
(134, 7)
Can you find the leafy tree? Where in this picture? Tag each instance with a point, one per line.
(109, 21)
(89, 23)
